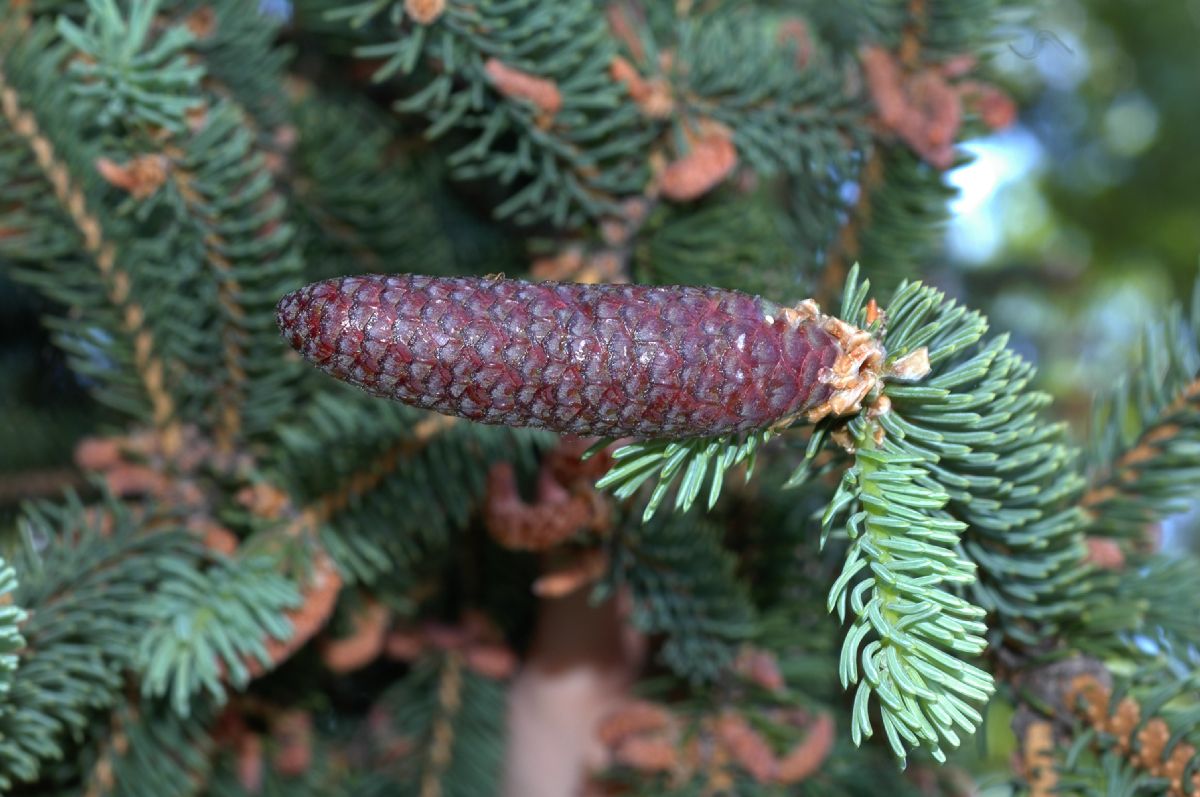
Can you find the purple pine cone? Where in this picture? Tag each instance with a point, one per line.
(596, 360)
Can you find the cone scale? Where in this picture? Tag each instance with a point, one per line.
(596, 360)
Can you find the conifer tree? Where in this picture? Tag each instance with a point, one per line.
(819, 561)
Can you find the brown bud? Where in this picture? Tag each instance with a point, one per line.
(633, 719)
(363, 645)
(1105, 553)
(747, 746)
(405, 644)
(202, 22)
(264, 500)
(648, 755)
(794, 31)
(805, 759)
(319, 597)
(424, 12)
(214, 536)
(711, 159)
(496, 662)
(141, 176)
(98, 453)
(760, 667)
(514, 83)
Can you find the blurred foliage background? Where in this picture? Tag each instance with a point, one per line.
(1075, 227)
(1083, 217)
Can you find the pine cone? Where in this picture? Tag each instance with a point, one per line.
(597, 360)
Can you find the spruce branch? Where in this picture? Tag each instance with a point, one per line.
(1147, 433)
(346, 188)
(454, 719)
(12, 617)
(535, 71)
(847, 248)
(912, 632)
(116, 281)
(684, 584)
(226, 195)
(88, 579)
(1009, 474)
(149, 750)
(784, 117)
(208, 624)
(129, 81)
(694, 463)
(918, 115)
(730, 240)
(354, 486)
(244, 61)
(364, 476)
(1134, 614)
(1145, 729)
(228, 215)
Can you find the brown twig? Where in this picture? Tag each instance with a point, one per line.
(101, 780)
(442, 749)
(848, 245)
(232, 331)
(368, 478)
(26, 485)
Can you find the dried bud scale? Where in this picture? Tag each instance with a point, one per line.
(597, 360)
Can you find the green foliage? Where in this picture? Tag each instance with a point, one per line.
(961, 503)
(125, 78)
(908, 212)
(1134, 614)
(231, 225)
(151, 751)
(1008, 472)
(730, 240)
(1097, 762)
(1146, 435)
(1086, 774)
(684, 585)
(11, 618)
(455, 720)
(67, 245)
(697, 460)
(911, 631)
(784, 118)
(90, 595)
(242, 57)
(397, 489)
(209, 624)
(965, 454)
(567, 171)
(360, 208)
(846, 27)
